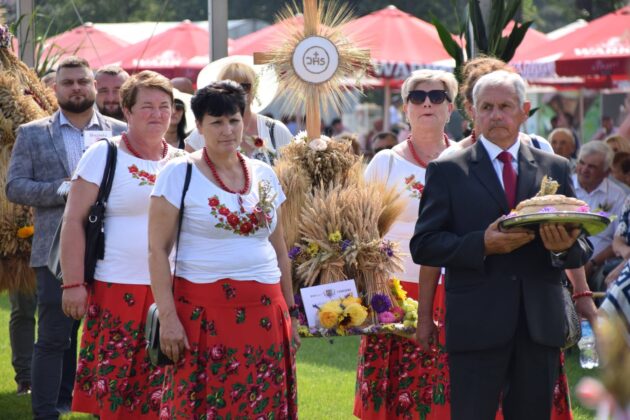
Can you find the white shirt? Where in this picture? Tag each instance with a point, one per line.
(218, 240)
(127, 214)
(73, 138)
(408, 178)
(494, 151)
(608, 197)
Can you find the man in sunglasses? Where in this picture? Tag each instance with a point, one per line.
(505, 322)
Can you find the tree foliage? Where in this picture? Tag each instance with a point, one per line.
(61, 15)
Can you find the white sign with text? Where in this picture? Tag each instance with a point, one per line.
(315, 296)
(92, 136)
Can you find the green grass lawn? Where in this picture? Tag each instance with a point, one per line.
(326, 376)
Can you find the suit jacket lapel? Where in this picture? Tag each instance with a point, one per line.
(529, 178)
(54, 129)
(482, 168)
(103, 123)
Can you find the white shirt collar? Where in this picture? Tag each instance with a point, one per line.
(494, 150)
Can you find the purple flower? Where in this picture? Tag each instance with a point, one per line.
(294, 252)
(386, 318)
(547, 210)
(386, 248)
(380, 303)
(345, 244)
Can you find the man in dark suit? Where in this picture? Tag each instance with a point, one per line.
(505, 319)
(45, 154)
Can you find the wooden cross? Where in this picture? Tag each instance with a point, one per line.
(312, 20)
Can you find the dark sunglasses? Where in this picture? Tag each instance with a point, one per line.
(417, 97)
(179, 107)
(247, 87)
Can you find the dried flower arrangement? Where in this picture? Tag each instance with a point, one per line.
(23, 98)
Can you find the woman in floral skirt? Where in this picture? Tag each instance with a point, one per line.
(396, 378)
(115, 379)
(225, 317)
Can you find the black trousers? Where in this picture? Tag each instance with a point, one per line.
(55, 352)
(523, 373)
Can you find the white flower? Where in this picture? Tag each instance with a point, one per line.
(300, 137)
(318, 144)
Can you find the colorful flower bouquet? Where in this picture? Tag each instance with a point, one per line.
(352, 315)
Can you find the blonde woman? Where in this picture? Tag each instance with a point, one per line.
(396, 377)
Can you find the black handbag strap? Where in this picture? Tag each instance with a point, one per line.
(108, 173)
(180, 218)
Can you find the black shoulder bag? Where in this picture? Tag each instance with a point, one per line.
(94, 227)
(152, 325)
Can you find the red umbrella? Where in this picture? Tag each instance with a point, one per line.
(602, 48)
(533, 39)
(398, 42)
(264, 39)
(180, 51)
(84, 41)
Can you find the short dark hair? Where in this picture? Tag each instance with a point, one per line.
(73, 62)
(218, 99)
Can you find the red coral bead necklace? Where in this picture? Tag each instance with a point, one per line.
(216, 176)
(419, 161)
(136, 154)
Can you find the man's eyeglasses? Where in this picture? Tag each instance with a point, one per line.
(417, 97)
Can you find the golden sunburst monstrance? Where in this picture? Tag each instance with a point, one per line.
(315, 60)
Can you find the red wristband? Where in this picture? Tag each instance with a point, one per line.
(587, 293)
(71, 286)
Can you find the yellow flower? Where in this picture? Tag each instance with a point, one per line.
(329, 313)
(25, 232)
(397, 290)
(334, 237)
(328, 319)
(312, 249)
(350, 300)
(357, 314)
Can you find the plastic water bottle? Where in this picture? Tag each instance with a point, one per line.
(589, 358)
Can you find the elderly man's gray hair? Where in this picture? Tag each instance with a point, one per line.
(501, 78)
(598, 147)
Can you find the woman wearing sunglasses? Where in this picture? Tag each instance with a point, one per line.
(397, 378)
(263, 136)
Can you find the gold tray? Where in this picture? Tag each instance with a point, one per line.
(591, 223)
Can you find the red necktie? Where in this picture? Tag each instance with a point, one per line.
(509, 178)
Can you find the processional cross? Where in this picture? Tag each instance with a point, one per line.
(315, 62)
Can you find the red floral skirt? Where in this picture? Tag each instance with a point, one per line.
(115, 379)
(397, 380)
(241, 364)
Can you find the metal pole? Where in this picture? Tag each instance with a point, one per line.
(217, 22)
(386, 104)
(26, 31)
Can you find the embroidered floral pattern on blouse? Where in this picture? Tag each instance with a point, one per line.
(145, 177)
(238, 222)
(415, 188)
